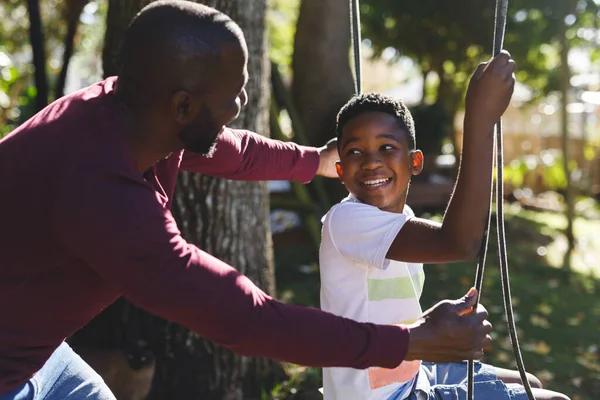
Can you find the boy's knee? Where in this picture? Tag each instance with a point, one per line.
(543, 394)
(559, 396)
(534, 382)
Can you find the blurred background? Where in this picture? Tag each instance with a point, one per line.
(422, 52)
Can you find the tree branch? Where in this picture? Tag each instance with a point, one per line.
(36, 37)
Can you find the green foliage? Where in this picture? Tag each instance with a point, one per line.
(432, 126)
(453, 36)
(545, 169)
(555, 177)
(450, 37)
(16, 76)
(17, 86)
(281, 27)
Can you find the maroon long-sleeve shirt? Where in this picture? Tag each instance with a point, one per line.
(79, 226)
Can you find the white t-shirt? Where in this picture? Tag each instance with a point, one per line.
(358, 282)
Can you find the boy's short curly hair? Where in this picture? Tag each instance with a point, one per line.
(377, 102)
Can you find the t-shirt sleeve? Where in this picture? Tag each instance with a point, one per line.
(116, 225)
(245, 155)
(363, 233)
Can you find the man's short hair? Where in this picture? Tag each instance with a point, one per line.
(166, 33)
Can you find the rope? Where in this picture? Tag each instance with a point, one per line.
(499, 29)
(355, 34)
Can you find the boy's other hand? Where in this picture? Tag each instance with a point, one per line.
(491, 88)
(450, 331)
(328, 155)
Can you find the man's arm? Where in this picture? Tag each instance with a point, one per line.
(459, 236)
(115, 224)
(244, 155)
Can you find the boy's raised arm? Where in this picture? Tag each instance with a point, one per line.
(459, 236)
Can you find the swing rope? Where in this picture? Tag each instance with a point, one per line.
(356, 52)
(499, 30)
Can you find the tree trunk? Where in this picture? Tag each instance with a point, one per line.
(36, 37)
(72, 14)
(322, 76)
(227, 219)
(565, 77)
(449, 97)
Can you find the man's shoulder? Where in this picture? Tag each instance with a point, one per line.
(70, 113)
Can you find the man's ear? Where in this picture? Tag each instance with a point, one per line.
(338, 168)
(183, 107)
(417, 159)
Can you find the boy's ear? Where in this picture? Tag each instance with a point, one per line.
(338, 168)
(417, 160)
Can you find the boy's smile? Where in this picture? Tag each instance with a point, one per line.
(376, 161)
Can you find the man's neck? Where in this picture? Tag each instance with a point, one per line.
(146, 144)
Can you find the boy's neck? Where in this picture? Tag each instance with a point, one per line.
(353, 197)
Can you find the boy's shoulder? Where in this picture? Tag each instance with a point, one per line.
(346, 208)
(352, 209)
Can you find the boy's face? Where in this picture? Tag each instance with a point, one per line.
(376, 162)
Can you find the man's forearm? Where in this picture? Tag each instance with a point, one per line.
(311, 337)
(244, 155)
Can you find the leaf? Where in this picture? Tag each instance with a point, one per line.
(545, 309)
(537, 320)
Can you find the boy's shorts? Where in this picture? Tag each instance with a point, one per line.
(449, 382)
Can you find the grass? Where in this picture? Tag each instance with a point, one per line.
(557, 311)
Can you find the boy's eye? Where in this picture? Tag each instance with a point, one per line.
(387, 147)
(353, 152)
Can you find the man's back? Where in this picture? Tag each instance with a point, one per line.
(45, 292)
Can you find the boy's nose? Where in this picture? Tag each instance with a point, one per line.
(371, 161)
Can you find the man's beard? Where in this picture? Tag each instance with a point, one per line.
(202, 134)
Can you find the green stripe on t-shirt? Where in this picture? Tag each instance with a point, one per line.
(395, 288)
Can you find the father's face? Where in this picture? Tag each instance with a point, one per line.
(202, 134)
(223, 104)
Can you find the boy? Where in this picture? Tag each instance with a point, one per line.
(373, 246)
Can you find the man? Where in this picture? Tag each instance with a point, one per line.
(85, 218)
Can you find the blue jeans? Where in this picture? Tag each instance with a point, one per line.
(449, 382)
(65, 376)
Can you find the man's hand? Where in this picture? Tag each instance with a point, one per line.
(328, 155)
(490, 89)
(450, 331)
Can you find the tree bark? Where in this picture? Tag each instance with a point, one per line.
(225, 218)
(73, 11)
(36, 37)
(322, 81)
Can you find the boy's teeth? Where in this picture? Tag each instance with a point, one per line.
(375, 181)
